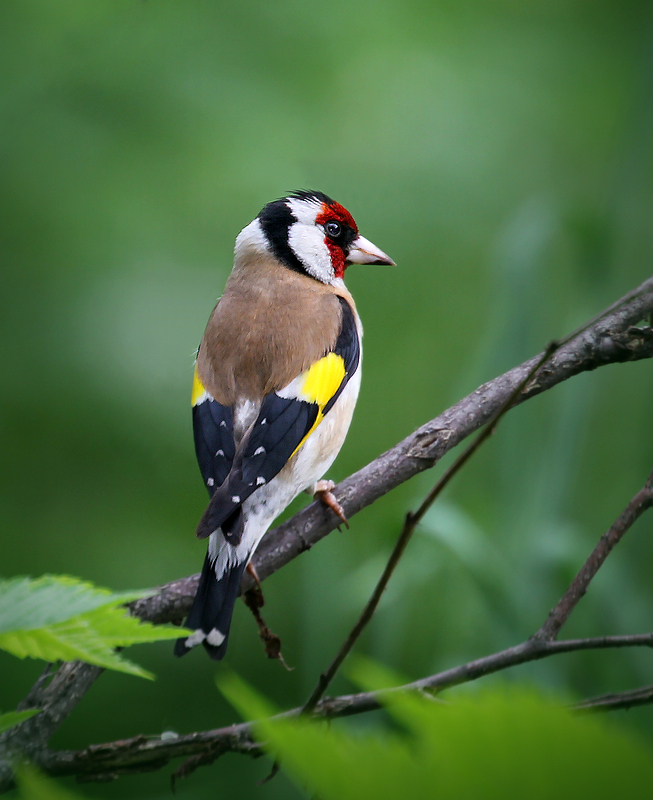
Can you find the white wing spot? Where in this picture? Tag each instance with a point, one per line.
(264, 421)
(223, 424)
(220, 453)
(235, 498)
(259, 451)
(260, 481)
(210, 482)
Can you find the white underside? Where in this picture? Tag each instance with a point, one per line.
(311, 462)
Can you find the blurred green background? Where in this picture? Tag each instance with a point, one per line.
(500, 152)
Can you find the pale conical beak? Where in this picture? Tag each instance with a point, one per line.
(362, 251)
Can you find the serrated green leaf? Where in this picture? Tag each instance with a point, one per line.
(12, 718)
(27, 603)
(338, 766)
(73, 640)
(242, 697)
(90, 636)
(118, 628)
(486, 745)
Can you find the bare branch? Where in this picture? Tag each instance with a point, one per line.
(560, 614)
(610, 339)
(328, 675)
(410, 524)
(607, 339)
(56, 699)
(100, 762)
(612, 702)
(104, 762)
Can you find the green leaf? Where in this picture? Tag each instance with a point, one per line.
(32, 785)
(27, 603)
(242, 697)
(33, 626)
(12, 718)
(491, 744)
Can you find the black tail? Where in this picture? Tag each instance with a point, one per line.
(210, 616)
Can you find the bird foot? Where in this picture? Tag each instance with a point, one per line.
(251, 570)
(321, 490)
(255, 601)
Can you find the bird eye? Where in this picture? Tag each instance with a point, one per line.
(333, 229)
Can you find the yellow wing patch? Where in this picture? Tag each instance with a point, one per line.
(323, 379)
(321, 382)
(199, 393)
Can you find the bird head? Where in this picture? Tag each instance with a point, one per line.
(310, 233)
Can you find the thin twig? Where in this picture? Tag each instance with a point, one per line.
(612, 702)
(141, 753)
(410, 523)
(578, 587)
(606, 339)
(611, 340)
(327, 676)
(537, 646)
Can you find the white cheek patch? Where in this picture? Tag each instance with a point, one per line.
(308, 245)
(307, 240)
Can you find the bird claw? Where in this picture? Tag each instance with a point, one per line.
(254, 601)
(321, 490)
(251, 570)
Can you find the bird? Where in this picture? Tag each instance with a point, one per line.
(276, 379)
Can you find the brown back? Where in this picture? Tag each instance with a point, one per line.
(270, 324)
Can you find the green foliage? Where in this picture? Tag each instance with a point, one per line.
(492, 744)
(32, 785)
(33, 603)
(12, 718)
(59, 618)
(500, 152)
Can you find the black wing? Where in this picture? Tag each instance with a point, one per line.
(213, 430)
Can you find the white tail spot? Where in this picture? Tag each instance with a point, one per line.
(215, 637)
(195, 638)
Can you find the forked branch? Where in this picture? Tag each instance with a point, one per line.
(609, 338)
(113, 759)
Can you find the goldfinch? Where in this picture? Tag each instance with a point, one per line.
(276, 381)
